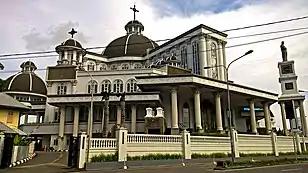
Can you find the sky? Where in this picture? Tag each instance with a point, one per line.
(33, 25)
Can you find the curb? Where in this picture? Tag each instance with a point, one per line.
(22, 161)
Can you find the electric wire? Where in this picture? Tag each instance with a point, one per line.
(227, 47)
(227, 30)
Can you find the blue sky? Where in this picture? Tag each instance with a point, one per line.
(166, 8)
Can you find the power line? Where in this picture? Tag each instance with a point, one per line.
(232, 46)
(267, 33)
(228, 30)
(243, 36)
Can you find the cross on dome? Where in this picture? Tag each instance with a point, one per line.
(72, 32)
(134, 10)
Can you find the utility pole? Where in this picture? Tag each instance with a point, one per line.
(106, 113)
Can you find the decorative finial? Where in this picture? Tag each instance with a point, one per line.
(72, 32)
(134, 10)
(284, 52)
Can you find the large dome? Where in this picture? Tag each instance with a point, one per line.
(129, 45)
(26, 81)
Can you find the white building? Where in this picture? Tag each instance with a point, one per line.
(171, 76)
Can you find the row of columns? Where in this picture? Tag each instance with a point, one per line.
(302, 118)
(76, 119)
(206, 58)
(217, 96)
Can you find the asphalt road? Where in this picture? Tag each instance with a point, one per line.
(50, 162)
(295, 168)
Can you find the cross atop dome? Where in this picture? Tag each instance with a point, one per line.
(72, 32)
(134, 10)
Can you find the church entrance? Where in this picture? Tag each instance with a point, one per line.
(154, 131)
(208, 116)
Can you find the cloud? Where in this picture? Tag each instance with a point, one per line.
(102, 21)
(37, 41)
(167, 8)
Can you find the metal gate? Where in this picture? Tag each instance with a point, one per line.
(7, 151)
(73, 152)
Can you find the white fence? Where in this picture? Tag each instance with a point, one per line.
(143, 144)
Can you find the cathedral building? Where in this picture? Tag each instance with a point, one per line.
(165, 81)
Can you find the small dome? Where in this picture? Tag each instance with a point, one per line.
(70, 43)
(129, 45)
(26, 80)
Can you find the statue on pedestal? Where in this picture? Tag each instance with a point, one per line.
(284, 52)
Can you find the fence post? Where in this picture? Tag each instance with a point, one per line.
(82, 150)
(304, 149)
(297, 142)
(122, 144)
(186, 150)
(274, 143)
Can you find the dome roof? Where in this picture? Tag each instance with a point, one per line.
(26, 81)
(129, 45)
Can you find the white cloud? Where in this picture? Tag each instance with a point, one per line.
(103, 21)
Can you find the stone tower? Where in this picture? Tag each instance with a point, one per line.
(290, 98)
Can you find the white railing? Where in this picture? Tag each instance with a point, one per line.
(255, 144)
(142, 144)
(143, 138)
(209, 144)
(98, 143)
(285, 144)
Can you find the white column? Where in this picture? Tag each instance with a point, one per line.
(252, 116)
(218, 112)
(208, 55)
(134, 118)
(202, 55)
(283, 118)
(61, 128)
(76, 121)
(174, 112)
(224, 57)
(303, 118)
(221, 71)
(267, 116)
(197, 110)
(118, 114)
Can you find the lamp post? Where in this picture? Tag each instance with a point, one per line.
(90, 117)
(229, 100)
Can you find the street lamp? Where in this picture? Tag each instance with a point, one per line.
(90, 118)
(229, 101)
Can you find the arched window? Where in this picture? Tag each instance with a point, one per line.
(137, 66)
(94, 85)
(125, 66)
(214, 60)
(62, 89)
(184, 57)
(91, 66)
(131, 85)
(114, 67)
(118, 86)
(106, 86)
(103, 67)
(196, 62)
